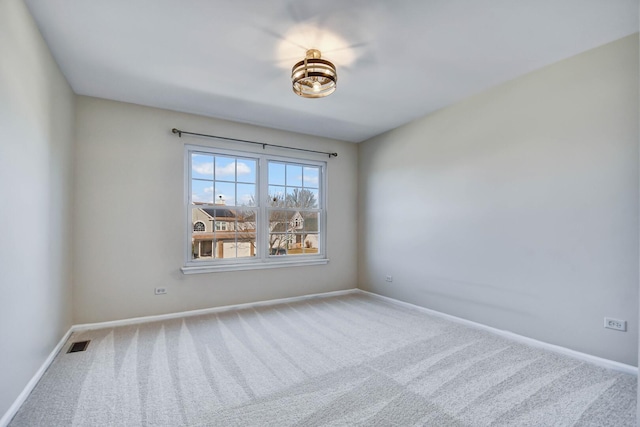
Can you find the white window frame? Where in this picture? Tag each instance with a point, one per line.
(262, 259)
(222, 226)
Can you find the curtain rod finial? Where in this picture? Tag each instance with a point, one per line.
(179, 132)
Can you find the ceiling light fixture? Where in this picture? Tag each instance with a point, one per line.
(314, 77)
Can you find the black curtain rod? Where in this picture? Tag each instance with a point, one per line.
(264, 144)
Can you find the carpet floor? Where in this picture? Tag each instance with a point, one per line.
(329, 361)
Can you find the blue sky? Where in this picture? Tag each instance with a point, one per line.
(215, 176)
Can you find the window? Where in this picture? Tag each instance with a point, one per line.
(294, 210)
(263, 211)
(222, 226)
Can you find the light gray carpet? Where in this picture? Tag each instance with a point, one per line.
(348, 360)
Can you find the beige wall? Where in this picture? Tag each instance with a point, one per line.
(36, 171)
(130, 219)
(519, 206)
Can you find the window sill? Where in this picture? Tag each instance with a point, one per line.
(253, 266)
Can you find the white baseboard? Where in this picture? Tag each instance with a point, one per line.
(11, 412)
(599, 361)
(13, 409)
(161, 317)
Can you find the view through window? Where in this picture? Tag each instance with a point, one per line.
(246, 209)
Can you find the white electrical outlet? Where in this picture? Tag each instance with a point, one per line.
(160, 291)
(389, 278)
(617, 324)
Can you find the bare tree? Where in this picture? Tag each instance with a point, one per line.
(246, 227)
(301, 198)
(282, 229)
(278, 224)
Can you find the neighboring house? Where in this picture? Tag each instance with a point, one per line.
(218, 232)
(296, 234)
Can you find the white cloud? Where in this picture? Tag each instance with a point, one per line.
(243, 169)
(311, 180)
(203, 168)
(229, 170)
(203, 195)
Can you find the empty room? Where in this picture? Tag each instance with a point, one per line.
(302, 213)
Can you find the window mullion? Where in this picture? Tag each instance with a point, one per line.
(263, 191)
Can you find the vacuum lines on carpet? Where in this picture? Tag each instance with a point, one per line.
(351, 360)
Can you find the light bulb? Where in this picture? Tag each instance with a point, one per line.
(316, 86)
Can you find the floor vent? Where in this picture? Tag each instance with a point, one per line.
(78, 346)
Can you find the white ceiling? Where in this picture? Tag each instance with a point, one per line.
(396, 60)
